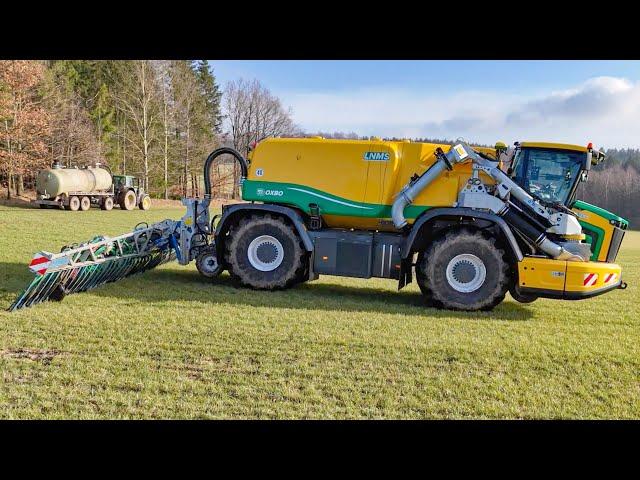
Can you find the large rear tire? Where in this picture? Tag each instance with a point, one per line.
(464, 270)
(128, 200)
(265, 253)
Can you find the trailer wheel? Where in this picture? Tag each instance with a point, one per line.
(107, 203)
(208, 265)
(145, 202)
(74, 203)
(464, 270)
(265, 253)
(85, 204)
(128, 200)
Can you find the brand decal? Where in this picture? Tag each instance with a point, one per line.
(259, 172)
(261, 192)
(376, 156)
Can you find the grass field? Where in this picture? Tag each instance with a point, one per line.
(168, 344)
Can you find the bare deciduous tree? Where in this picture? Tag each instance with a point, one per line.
(73, 139)
(253, 113)
(138, 100)
(163, 72)
(25, 123)
(186, 97)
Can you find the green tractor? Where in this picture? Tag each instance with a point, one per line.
(129, 193)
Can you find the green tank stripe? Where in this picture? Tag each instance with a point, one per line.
(301, 196)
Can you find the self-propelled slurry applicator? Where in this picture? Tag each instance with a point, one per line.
(469, 229)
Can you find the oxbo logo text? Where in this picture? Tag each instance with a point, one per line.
(376, 156)
(269, 193)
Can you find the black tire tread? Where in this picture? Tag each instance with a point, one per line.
(240, 276)
(436, 295)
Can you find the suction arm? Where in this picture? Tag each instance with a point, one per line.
(445, 161)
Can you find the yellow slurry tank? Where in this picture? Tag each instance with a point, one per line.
(54, 182)
(354, 182)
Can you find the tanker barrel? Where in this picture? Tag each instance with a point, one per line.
(57, 181)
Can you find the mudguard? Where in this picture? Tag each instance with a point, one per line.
(460, 212)
(230, 211)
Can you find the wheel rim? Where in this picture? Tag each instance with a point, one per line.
(466, 273)
(130, 200)
(74, 203)
(209, 264)
(146, 203)
(265, 253)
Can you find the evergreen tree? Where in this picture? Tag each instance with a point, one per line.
(210, 92)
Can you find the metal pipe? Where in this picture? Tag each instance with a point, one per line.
(412, 189)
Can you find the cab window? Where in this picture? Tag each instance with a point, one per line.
(548, 174)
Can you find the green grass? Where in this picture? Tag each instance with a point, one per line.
(169, 344)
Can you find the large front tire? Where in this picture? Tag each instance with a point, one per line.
(145, 202)
(464, 270)
(264, 252)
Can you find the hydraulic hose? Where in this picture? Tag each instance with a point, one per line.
(244, 166)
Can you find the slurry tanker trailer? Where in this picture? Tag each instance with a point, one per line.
(78, 188)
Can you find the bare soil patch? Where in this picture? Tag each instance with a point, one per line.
(43, 356)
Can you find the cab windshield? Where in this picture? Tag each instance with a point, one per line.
(548, 174)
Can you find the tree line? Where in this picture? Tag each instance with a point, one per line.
(156, 120)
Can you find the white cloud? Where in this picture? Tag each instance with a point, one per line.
(605, 110)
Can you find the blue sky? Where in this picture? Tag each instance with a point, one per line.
(564, 101)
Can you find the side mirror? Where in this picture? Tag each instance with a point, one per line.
(584, 176)
(588, 160)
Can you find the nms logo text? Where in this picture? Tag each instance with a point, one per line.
(376, 156)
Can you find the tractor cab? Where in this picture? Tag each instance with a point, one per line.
(551, 172)
(125, 181)
(129, 193)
